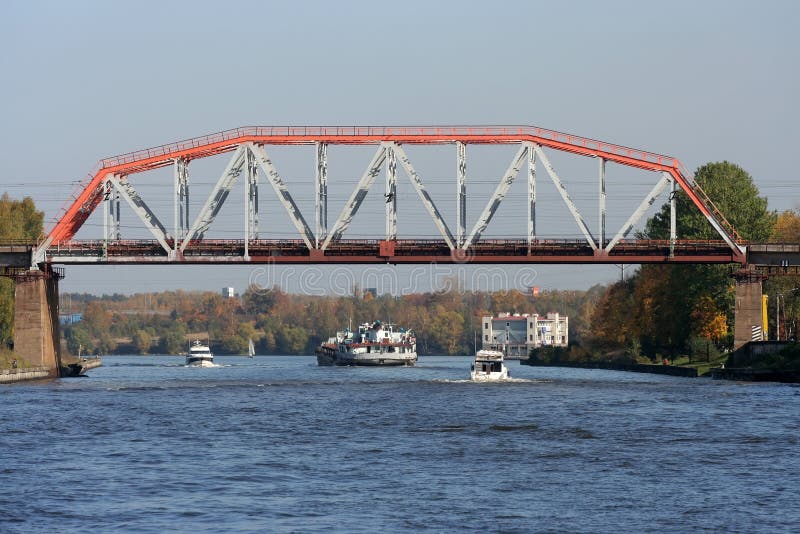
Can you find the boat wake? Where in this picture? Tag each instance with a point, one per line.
(496, 381)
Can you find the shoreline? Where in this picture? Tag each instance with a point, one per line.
(747, 374)
(22, 374)
(738, 374)
(673, 370)
(25, 374)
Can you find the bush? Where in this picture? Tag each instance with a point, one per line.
(702, 350)
(548, 355)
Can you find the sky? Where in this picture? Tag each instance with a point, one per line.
(701, 81)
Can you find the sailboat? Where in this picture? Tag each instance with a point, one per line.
(251, 349)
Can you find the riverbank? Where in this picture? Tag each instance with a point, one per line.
(18, 369)
(672, 370)
(747, 374)
(763, 361)
(8, 376)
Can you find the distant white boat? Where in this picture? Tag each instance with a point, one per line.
(251, 349)
(489, 366)
(199, 355)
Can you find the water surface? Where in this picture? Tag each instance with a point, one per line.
(278, 444)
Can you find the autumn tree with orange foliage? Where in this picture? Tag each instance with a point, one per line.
(787, 227)
(785, 289)
(708, 321)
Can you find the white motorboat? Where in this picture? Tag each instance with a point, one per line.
(489, 366)
(199, 355)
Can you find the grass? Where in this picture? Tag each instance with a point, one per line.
(7, 358)
(703, 367)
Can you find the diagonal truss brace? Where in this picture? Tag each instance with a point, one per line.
(144, 213)
(217, 197)
(357, 197)
(565, 196)
(498, 196)
(641, 210)
(424, 196)
(388, 150)
(283, 193)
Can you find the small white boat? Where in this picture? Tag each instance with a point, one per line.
(489, 366)
(199, 355)
(251, 349)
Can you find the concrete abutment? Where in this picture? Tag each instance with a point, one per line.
(36, 324)
(748, 316)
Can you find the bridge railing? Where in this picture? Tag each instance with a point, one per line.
(433, 133)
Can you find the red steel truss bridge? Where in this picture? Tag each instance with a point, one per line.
(114, 180)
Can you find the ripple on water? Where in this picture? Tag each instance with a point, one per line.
(150, 446)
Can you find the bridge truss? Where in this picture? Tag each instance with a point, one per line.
(113, 182)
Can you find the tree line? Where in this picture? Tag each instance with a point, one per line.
(283, 323)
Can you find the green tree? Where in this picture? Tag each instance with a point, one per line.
(142, 340)
(234, 344)
(665, 295)
(78, 339)
(19, 221)
(734, 193)
(173, 340)
(291, 340)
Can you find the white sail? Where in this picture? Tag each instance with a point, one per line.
(251, 350)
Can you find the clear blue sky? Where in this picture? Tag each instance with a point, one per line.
(703, 81)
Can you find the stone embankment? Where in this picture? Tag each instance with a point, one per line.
(746, 374)
(672, 370)
(29, 373)
(8, 376)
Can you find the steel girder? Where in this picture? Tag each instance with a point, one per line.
(321, 197)
(461, 193)
(217, 197)
(248, 155)
(148, 218)
(426, 199)
(357, 196)
(497, 197)
(282, 192)
(181, 200)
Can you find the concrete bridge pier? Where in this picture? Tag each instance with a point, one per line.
(749, 320)
(36, 324)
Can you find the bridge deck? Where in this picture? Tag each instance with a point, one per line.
(393, 252)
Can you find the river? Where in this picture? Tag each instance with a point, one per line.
(278, 444)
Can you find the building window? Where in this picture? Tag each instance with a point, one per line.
(487, 337)
(531, 337)
(508, 324)
(486, 326)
